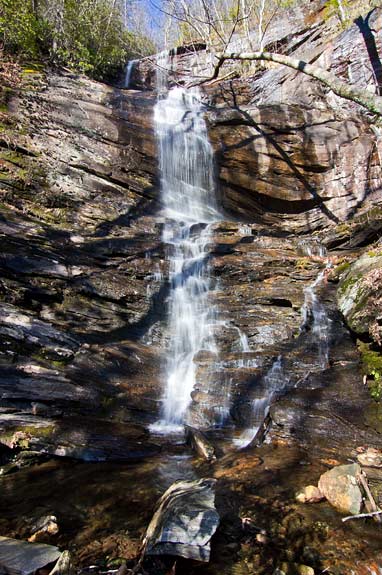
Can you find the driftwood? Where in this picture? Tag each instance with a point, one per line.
(361, 515)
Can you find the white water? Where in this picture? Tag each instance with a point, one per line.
(129, 71)
(314, 315)
(312, 248)
(274, 381)
(245, 230)
(188, 197)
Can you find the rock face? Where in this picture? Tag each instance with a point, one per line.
(290, 153)
(341, 489)
(184, 521)
(359, 296)
(84, 295)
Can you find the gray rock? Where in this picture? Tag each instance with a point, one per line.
(22, 558)
(340, 487)
(359, 296)
(23, 327)
(184, 522)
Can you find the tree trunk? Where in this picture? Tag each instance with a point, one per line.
(360, 96)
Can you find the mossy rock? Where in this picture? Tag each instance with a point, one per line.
(359, 296)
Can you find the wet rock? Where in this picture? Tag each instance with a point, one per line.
(22, 558)
(340, 487)
(87, 439)
(43, 529)
(310, 494)
(371, 457)
(184, 522)
(200, 443)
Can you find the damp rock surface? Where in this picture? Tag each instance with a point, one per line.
(184, 522)
(22, 558)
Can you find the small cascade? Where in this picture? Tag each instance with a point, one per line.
(273, 383)
(188, 197)
(223, 403)
(245, 230)
(243, 339)
(244, 342)
(315, 318)
(129, 70)
(311, 248)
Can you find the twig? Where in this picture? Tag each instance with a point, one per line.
(363, 480)
(361, 515)
(231, 74)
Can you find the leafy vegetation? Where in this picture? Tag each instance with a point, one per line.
(86, 35)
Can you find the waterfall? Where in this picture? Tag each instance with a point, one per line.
(314, 317)
(129, 71)
(188, 197)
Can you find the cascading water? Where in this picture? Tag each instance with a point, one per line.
(188, 196)
(314, 317)
(273, 382)
(128, 73)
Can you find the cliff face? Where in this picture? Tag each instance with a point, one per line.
(291, 153)
(83, 260)
(84, 276)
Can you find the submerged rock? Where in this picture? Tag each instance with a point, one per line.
(309, 494)
(340, 487)
(371, 457)
(22, 558)
(184, 522)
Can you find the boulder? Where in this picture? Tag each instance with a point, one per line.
(184, 522)
(359, 296)
(340, 487)
(22, 558)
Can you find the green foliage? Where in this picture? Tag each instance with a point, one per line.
(86, 35)
(372, 368)
(19, 28)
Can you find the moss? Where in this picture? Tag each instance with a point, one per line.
(348, 283)
(341, 268)
(38, 431)
(13, 157)
(372, 368)
(344, 228)
(303, 263)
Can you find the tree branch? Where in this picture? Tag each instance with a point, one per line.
(368, 101)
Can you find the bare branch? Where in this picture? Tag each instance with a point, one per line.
(368, 101)
(361, 515)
